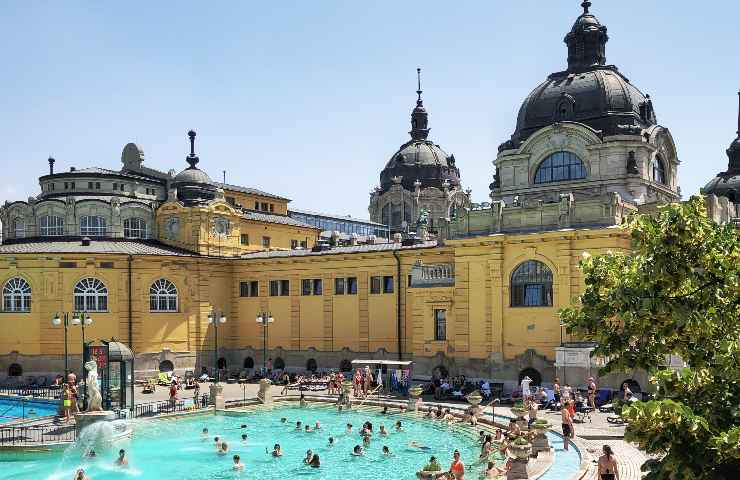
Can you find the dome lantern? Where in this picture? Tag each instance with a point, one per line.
(419, 116)
(586, 42)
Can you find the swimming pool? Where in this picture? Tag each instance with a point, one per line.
(12, 409)
(176, 449)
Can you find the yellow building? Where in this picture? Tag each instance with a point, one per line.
(151, 256)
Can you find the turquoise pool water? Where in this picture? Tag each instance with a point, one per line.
(176, 449)
(12, 409)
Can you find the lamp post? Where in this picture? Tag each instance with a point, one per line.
(264, 319)
(64, 320)
(216, 318)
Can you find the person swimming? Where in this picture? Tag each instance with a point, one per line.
(357, 451)
(309, 457)
(349, 428)
(277, 451)
(385, 410)
(315, 461)
(217, 441)
(204, 433)
(122, 461)
(386, 450)
(244, 438)
(317, 426)
(308, 429)
(366, 440)
(298, 425)
(283, 420)
(238, 465)
(223, 448)
(331, 441)
(383, 431)
(80, 475)
(420, 446)
(399, 427)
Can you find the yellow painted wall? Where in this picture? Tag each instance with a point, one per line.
(246, 200)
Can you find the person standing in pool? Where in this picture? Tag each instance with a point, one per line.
(238, 465)
(80, 475)
(457, 468)
(277, 451)
(122, 461)
(309, 457)
(315, 461)
(357, 451)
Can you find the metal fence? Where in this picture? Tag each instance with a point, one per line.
(37, 434)
(36, 392)
(164, 407)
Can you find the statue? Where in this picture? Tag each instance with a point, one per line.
(632, 164)
(423, 218)
(94, 398)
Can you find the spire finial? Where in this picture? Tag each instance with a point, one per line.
(418, 84)
(192, 159)
(586, 5)
(738, 113)
(51, 165)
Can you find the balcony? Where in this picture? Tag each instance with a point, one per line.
(433, 275)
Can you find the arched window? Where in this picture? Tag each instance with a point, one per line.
(657, 170)
(15, 370)
(92, 226)
(163, 296)
(16, 296)
(531, 373)
(531, 285)
(560, 167)
(91, 295)
(311, 365)
(51, 226)
(135, 227)
(166, 366)
(19, 227)
(279, 364)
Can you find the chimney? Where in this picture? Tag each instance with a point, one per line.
(86, 241)
(51, 165)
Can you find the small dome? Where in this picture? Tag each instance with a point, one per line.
(193, 185)
(192, 175)
(421, 160)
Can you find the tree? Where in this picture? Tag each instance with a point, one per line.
(675, 293)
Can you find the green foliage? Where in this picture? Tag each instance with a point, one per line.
(677, 293)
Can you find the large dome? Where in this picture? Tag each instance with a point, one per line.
(588, 92)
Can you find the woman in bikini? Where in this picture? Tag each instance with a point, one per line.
(608, 465)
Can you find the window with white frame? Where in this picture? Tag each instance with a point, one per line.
(163, 296)
(135, 227)
(51, 226)
(16, 295)
(90, 295)
(92, 226)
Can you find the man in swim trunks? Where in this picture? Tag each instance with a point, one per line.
(567, 421)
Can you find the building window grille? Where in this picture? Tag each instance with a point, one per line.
(92, 226)
(531, 285)
(376, 285)
(440, 325)
(16, 295)
(19, 227)
(312, 286)
(266, 242)
(388, 284)
(51, 226)
(135, 227)
(560, 167)
(245, 239)
(90, 295)
(249, 289)
(279, 288)
(163, 296)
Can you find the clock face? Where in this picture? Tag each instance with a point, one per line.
(221, 226)
(172, 228)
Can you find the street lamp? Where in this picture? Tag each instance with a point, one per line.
(65, 321)
(83, 320)
(215, 318)
(264, 319)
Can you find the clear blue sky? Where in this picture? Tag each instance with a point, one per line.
(309, 99)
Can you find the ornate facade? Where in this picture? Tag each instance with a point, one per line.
(481, 299)
(419, 179)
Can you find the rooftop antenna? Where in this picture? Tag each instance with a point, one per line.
(224, 176)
